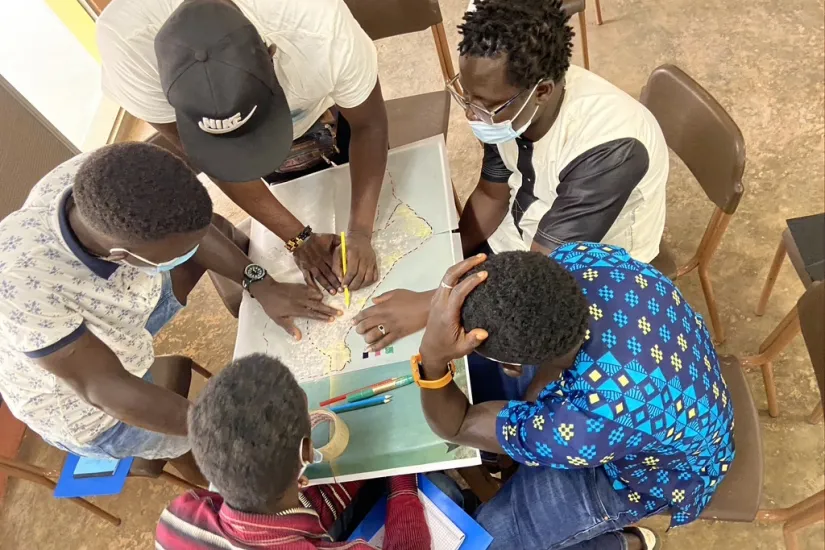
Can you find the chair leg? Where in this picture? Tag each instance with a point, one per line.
(778, 258)
(713, 310)
(99, 512)
(583, 30)
(599, 13)
(200, 370)
(770, 389)
(816, 415)
(812, 515)
(781, 515)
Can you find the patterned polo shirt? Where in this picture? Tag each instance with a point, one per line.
(644, 399)
(51, 292)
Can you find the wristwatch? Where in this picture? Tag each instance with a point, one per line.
(252, 274)
(415, 365)
(297, 241)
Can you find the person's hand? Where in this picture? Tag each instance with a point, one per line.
(444, 338)
(362, 270)
(283, 302)
(315, 260)
(399, 312)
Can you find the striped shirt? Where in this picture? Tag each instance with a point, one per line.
(201, 520)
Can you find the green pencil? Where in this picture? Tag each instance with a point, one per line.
(383, 388)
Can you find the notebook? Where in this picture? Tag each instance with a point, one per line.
(450, 527)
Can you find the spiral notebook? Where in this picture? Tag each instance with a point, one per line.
(450, 527)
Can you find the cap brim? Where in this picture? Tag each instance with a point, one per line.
(243, 156)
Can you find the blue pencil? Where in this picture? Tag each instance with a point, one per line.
(363, 404)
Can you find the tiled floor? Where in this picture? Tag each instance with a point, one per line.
(763, 60)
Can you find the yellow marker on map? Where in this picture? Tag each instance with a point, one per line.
(344, 264)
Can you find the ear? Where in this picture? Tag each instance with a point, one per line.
(303, 481)
(545, 90)
(271, 50)
(306, 449)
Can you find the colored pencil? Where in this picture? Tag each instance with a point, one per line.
(371, 402)
(344, 396)
(380, 388)
(344, 264)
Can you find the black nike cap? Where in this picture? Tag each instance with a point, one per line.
(232, 115)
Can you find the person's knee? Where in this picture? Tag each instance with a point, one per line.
(172, 372)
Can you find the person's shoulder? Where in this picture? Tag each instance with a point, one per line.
(197, 508)
(296, 18)
(123, 18)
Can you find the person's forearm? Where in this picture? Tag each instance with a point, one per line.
(406, 524)
(139, 403)
(368, 161)
(452, 418)
(257, 201)
(219, 254)
(481, 217)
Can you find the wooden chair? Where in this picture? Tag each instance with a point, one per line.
(779, 339)
(572, 7)
(803, 242)
(701, 133)
(811, 316)
(171, 372)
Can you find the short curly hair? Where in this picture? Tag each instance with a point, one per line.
(534, 35)
(532, 308)
(246, 429)
(138, 191)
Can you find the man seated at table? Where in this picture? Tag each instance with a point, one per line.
(616, 408)
(250, 433)
(233, 83)
(101, 256)
(567, 155)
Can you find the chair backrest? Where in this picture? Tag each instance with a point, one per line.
(811, 309)
(384, 18)
(699, 130)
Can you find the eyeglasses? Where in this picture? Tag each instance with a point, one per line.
(481, 112)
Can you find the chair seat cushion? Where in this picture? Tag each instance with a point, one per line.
(418, 117)
(737, 497)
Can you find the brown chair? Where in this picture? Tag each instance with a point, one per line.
(701, 133)
(599, 13)
(811, 316)
(778, 340)
(420, 116)
(578, 6)
(808, 233)
(174, 374)
(737, 497)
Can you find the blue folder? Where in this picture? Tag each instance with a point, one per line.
(68, 486)
(475, 537)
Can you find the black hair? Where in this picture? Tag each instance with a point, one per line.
(532, 308)
(534, 35)
(138, 191)
(246, 429)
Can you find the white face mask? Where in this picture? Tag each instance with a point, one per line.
(502, 132)
(317, 458)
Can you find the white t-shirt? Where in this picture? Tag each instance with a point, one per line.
(51, 292)
(323, 57)
(599, 174)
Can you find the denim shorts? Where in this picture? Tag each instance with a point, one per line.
(123, 440)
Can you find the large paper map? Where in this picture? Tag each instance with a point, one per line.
(413, 248)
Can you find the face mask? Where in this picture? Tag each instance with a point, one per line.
(154, 268)
(502, 132)
(317, 458)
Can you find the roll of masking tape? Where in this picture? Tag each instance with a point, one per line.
(338, 437)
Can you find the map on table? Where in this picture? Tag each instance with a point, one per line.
(414, 246)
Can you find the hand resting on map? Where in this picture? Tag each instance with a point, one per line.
(401, 313)
(282, 302)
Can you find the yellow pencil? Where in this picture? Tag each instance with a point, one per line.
(344, 264)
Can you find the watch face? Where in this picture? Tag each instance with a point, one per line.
(254, 272)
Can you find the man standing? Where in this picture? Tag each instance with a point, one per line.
(567, 155)
(101, 256)
(615, 406)
(235, 83)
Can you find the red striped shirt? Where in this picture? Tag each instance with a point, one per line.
(200, 520)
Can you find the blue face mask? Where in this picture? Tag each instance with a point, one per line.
(502, 132)
(152, 267)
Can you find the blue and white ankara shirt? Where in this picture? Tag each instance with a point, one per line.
(644, 398)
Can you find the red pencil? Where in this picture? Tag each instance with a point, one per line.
(342, 397)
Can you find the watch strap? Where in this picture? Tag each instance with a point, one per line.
(415, 366)
(298, 240)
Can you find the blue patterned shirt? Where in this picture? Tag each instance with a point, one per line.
(644, 398)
